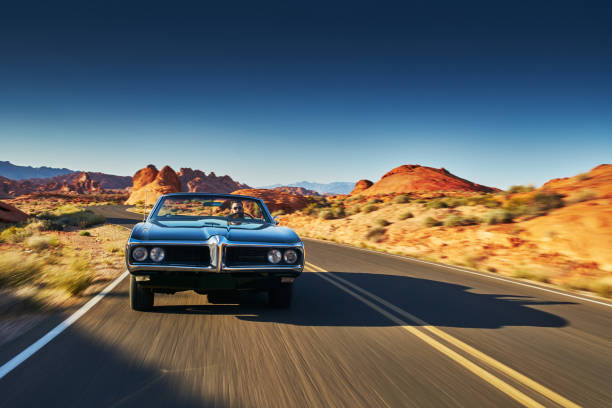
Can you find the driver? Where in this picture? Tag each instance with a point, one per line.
(236, 209)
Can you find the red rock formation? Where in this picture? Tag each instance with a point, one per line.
(82, 184)
(361, 185)
(598, 181)
(8, 213)
(144, 176)
(165, 181)
(296, 190)
(276, 200)
(11, 188)
(198, 181)
(414, 178)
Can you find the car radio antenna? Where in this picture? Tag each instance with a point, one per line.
(144, 215)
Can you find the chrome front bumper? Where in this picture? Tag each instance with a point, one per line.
(217, 247)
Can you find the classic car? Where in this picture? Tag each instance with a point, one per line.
(214, 244)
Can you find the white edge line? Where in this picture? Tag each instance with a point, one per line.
(40, 343)
(409, 258)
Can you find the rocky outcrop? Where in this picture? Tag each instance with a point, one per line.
(296, 190)
(161, 182)
(414, 178)
(73, 183)
(198, 181)
(9, 214)
(276, 200)
(597, 182)
(361, 185)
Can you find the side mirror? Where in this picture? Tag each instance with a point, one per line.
(276, 221)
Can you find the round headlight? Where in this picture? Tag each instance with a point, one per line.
(290, 256)
(139, 253)
(274, 256)
(157, 254)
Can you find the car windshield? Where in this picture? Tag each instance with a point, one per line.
(218, 210)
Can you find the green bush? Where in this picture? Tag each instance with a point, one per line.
(382, 222)
(401, 199)
(499, 217)
(406, 215)
(85, 234)
(369, 208)
(431, 222)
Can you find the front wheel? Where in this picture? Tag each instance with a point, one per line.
(280, 296)
(141, 299)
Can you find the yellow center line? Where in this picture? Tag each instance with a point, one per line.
(506, 388)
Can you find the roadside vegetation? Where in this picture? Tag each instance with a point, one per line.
(57, 256)
(474, 230)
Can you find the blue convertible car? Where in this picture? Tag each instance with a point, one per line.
(215, 244)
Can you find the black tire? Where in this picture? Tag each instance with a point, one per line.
(141, 299)
(281, 295)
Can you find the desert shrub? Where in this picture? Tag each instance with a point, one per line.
(456, 221)
(278, 212)
(337, 211)
(376, 234)
(401, 199)
(374, 201)
(436, 203)
(520, 189)
(406, 215)
(582, 195)
(17, 269)
(40, 242)
(582, 176)
(77, 278)
(66, 216)
(113, 248)
(85, 234)
(326, 215)
(499, 217)
(544, 202)
(369, 208)
(431, 222)
(382, 222)
(15, 234)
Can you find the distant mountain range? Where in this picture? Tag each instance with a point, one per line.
(15, 172)
(337, 187)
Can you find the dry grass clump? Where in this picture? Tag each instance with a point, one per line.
(40, 242)
(401, 199)
(520, 189)
(601, 286)
(382, 222)
(370, 208)
(431, 222)
(456, 221)
(406, 215)
(376, 234)
(499, 217)
(17, 269)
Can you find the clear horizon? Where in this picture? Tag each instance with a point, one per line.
(270, 94)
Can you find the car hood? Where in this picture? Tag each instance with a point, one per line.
(194, 231)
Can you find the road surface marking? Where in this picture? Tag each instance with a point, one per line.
(441, 334)
(480, 372)
(409, 258)
(40, 343)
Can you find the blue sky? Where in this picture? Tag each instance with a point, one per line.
(504, 93)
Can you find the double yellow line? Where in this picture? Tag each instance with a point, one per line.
(375, 302)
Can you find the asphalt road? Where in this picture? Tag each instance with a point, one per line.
(375, 331)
